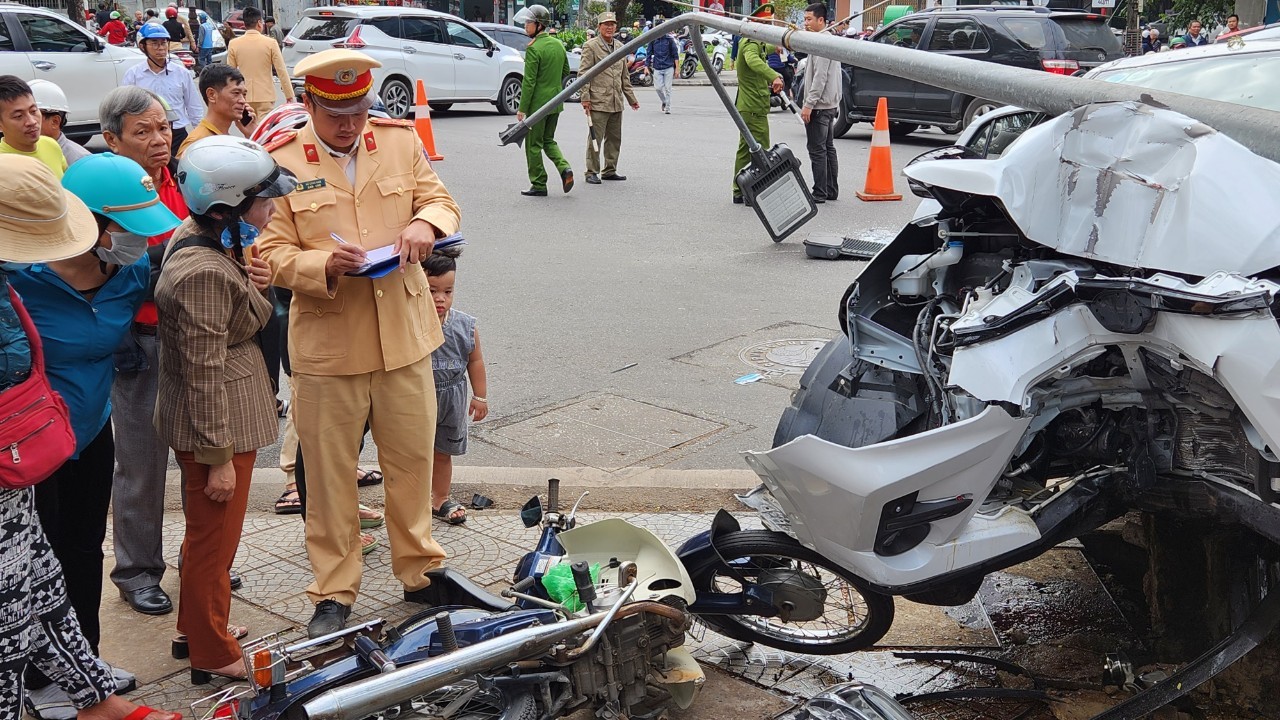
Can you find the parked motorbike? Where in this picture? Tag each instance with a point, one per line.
(475, 655)
(639, 72)
(717, 46)
(1069, 337)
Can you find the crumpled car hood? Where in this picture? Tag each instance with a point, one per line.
(1133, 185)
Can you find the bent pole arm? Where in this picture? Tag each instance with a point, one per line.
(1255, 128)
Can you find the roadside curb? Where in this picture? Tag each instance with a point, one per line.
(729, 79)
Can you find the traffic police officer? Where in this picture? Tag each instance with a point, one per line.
(360, 347)
(756, 81)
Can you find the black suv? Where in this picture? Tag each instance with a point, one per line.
(1062, 42)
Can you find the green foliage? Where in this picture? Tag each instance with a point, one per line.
(572, 37)
(791, 11)
(1209, 12)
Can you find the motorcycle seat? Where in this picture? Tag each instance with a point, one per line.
(450, 587)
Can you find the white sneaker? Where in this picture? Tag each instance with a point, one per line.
(50, 703)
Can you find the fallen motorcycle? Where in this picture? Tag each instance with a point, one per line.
(753, 585)
(475, 655)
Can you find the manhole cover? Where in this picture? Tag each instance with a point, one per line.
(783, 356)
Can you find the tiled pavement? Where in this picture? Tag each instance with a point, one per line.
(272, 560)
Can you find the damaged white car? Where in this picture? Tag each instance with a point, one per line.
(1088, 325)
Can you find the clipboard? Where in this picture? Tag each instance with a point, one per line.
(381, 261)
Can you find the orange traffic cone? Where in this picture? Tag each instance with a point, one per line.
(422, 123)
(880, 169)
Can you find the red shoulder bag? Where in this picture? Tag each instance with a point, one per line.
(35, 428)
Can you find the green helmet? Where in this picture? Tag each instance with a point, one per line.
(533, 13)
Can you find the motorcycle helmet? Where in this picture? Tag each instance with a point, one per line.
(151, 31)
(533, 13)
(171, 12)
(115, 14)
(222, 172)
(49, 97)
(120, 189)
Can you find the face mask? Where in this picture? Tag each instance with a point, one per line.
(248, 234)
(125, 250)
(14, 266)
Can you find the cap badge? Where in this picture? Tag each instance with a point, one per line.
(148, 183)
(345, 77)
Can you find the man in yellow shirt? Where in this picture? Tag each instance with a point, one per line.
(21, 121)
(222, 88)
(256, 55)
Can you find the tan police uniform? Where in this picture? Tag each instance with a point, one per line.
(256, 55)
(361, 349)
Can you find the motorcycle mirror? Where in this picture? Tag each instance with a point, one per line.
(773, 185)
(531, 513)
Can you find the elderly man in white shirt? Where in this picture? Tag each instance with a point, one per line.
(167, 77)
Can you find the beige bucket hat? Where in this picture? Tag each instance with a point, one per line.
(40, 221)
(606, 17)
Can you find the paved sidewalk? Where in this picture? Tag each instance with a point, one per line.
(757, 683)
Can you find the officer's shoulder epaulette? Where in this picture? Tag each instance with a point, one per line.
(388, 122)
(280, 140)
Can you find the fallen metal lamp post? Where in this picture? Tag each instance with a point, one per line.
(1255, 128)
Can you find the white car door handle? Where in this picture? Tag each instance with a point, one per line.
(409, 50)
(43, 65)
(459, 56)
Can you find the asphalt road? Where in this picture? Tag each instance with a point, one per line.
(571, 289)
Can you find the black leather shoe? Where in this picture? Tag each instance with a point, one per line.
(614, 176)
(236, 582)
(593, 179)
(566, 180)
(533, 192)
(150, 600)
(330, 617)
(425, 596)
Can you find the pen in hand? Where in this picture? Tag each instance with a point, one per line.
(346, 257)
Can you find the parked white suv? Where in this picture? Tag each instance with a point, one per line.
(41, 44)
(455, 61)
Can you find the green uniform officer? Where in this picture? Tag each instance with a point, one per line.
(546, 65)
(756, 81)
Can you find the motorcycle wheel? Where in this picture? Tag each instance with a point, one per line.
(852, 616)
(688, 68)
(717, 64)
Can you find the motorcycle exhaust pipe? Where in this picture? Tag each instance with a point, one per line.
(373, 695)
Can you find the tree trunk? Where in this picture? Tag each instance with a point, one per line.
(75, 10)
(620, 9)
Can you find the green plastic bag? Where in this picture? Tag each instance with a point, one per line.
(560, 587)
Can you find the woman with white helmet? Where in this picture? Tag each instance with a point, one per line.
(215, 405)
(54, 107)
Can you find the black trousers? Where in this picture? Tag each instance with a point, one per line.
(72, 504)
(821, 143)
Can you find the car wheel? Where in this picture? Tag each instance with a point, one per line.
(843, 123)
(509, 96)
(976, 109)
(576, 97)
(397, 97)
(901, 129)
(439, 107)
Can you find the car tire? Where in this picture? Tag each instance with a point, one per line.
(508, 102)
(397, 97)
(439, 107)
(843, 123)
(902, 129)
(576, 97)
(976, 108)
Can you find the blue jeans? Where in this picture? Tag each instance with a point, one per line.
(206, 57)
(662, 83)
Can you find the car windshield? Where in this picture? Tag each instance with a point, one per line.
(1085, 34)
(1252, 79)
(513, 40)
(324, 28)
